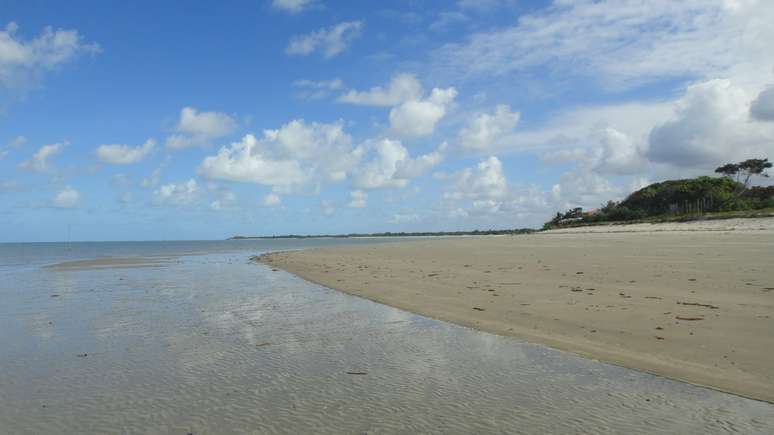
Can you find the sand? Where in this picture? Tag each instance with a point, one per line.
(679, 300)
(112, 263)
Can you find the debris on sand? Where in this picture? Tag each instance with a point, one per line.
(695, 304)
(689, 318)
(478, 309)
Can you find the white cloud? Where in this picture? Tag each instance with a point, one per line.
(22, 63)
(617, 153)
(271, 200)
(762, 108)
(199, 128)
(419, 117)
(315, 90)
(245, 161)
(619, 43)
(66, 198)
(296, 154)
(582, 188)
(357, 199)
(328, 41)
(293, 6)
(391, 165)
(177, 194)
(39, 160)
(484, 128)
(486, 181)
(711, 126)
(225, 199)
(124, 154)
(402, 88)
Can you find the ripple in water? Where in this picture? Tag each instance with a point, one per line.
(212, 344)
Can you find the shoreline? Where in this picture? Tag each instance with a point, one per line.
(695, 305)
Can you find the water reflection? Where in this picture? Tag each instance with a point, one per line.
(212, 344)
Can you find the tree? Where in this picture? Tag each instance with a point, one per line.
(752, 167)
(730, 170)
(746, 169)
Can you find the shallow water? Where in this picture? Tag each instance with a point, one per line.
(210, 343)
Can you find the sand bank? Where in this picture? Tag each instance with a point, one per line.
(675, 300)
(113, 263)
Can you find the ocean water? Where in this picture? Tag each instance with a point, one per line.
(190, 337)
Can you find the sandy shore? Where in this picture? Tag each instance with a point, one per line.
(678, 300)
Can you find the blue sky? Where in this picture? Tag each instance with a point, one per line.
(152, 120)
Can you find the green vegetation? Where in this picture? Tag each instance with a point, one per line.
(402, 234)
(709, 197)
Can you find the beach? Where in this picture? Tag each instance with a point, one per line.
(193, 337)
(688, 301)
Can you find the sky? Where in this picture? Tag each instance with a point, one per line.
(165, 121)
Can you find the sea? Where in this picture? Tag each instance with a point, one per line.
(192, 337)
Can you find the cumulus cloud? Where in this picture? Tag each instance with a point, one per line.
(177, 194)
(199, 128)
(617, 153)
(391, 166)
(39, 160)
(419, 117)
(23, 62)
(248, 161)
(271, 200)
(329, 41)
(710, 126)
(116, 154)
(293, 6)
(357, 199)
(66, 198)
(762, 108)
(296, 155)
(402, 88)
(485, 181)
(484, 129)
(583, 188)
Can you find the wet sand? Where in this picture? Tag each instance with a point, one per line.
(213, 344)
(112, 263)
(693, 302)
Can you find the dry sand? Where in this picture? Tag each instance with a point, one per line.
(692, 301)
